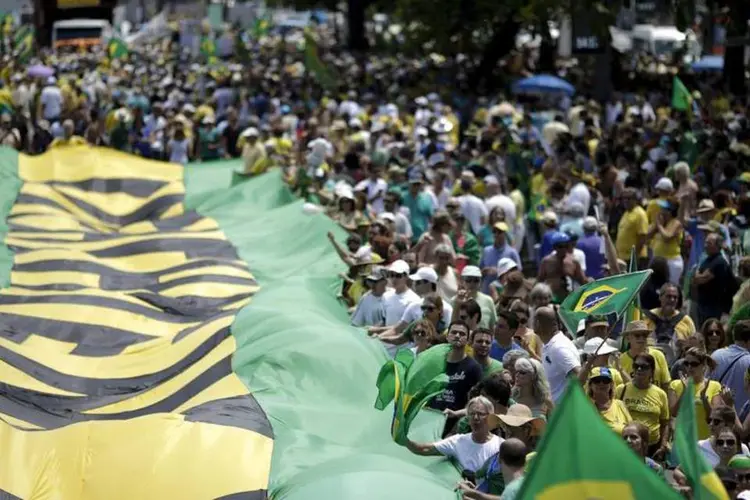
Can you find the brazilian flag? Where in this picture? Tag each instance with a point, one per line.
(262, 26)
(411, 381)
(165, 333)
(609, 297)
(705, 483)
(117, 48)
(23, 43)
(580, 457)
(208, 48)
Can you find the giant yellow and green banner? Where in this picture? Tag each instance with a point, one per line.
(167, 335)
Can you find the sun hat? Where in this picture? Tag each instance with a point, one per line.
(592, 344)
(517, 416)
(637, 326)
(505, 265)
(706, 205)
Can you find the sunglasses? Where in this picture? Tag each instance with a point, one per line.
(601, 380)
(641, 366)
(525, 372)
(693, 364)
(472, 280)
(715, 421)
(713, 333)
(726, 442)
(398, 275)
(743, 478)
(420, 333)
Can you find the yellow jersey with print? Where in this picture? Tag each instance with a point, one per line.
(682, 330)
(712, 390)
(647, 406)
(661, 375)
(616, 416)
(633, 224)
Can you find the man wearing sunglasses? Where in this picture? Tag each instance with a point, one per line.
(401, 296)
(463, 372)
(668, 322)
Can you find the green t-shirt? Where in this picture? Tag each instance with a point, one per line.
(489, 314)
(513, 489)
(492, 367)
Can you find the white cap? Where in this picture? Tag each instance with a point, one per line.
(250, 132)
(425, 274)
(505, 265)
(664, 184)
(471, 272)
(592, 344)
(399, 267)
(491, 180)
(549, 217)
(387, 216)
(355, 122)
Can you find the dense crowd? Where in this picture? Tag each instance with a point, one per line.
(473, 238)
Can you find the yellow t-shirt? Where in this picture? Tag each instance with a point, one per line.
(653, 209)
(713, 390)
(632, 225)
(682, 330)
(616, 416)
(647, 406)
(668, 249)
(661, 375)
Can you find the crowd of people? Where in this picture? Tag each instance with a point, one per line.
(472, 235)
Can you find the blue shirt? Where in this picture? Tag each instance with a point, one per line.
(491, 256)
(591, 246)
(731, 365)
(497, 352)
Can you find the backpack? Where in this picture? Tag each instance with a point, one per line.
(663, 328)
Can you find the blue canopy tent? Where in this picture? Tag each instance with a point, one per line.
(709, 63)
(544, 84)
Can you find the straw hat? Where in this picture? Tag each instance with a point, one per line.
(636, 327)
(516, 416)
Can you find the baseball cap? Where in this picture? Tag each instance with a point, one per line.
(471, 272)
(425, 274)
(388, 216)
(600, 371)
(590, 223)
(505, 265)
(665, 204)
(741, 462)
(592, 344)
(399, 267)
(377, 273)
(596, 320)
(560, 238)
(549, 217)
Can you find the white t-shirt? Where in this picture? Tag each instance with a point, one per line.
(559, 357)
(580, 193)
(469, 454)
(370, 311)
(711, 456)
(396, 303)
(413, 313)
(474, 210)
(373, 187)
(51, 100)
(439, 201)
(448, 285)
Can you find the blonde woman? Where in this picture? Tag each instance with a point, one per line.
(531, 387)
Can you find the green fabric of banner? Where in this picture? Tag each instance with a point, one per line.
(9, 186)
(311, 372)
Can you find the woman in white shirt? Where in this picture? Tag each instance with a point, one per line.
(470, 450)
